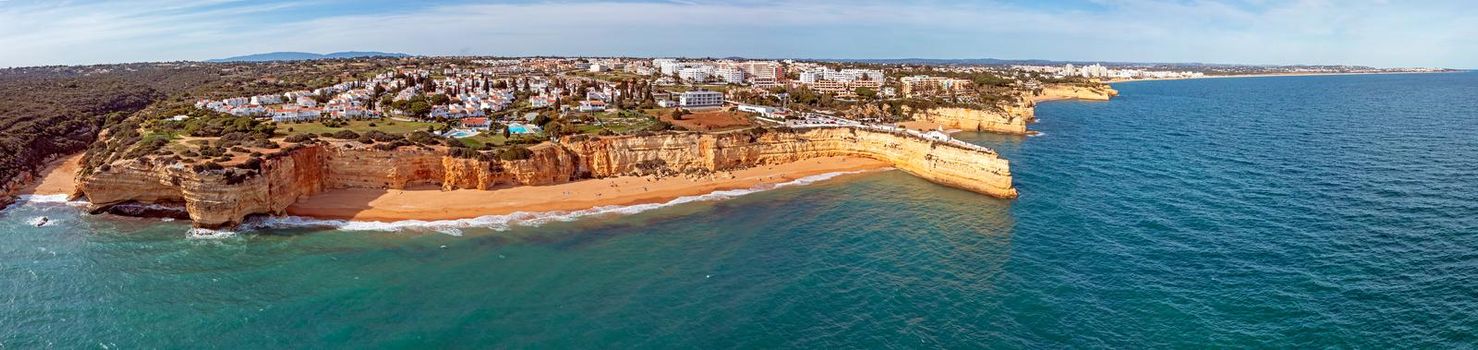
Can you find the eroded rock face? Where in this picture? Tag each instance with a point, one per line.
(1009, 120)
(214, 198)
(1061, 92)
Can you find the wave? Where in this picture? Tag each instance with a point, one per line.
(507, 221)
(205, 233)
(49, 198)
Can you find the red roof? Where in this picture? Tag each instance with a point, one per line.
(474, 121)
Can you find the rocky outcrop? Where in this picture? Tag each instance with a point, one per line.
(218, 198)
(1008, 120)
(1011, 118)
(1075, 92)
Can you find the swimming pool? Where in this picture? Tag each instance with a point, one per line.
(462, 133)
(517, 128)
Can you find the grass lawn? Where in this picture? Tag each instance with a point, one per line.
(620, 123)
(491, 137)
(360, 126)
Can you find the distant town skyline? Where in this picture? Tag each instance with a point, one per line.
(1372, 33)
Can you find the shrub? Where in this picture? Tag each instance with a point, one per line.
(515, 153)
(421, 137)
(208, 151)
(207, 166)
(660, 126)
(346, 135)
(382, 137)
(464, 153)
(251, 164)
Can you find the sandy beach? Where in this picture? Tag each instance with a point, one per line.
(59, 177)
(435, 204)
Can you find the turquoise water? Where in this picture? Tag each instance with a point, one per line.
(1267, 212)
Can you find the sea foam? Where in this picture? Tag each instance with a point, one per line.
(49, 198)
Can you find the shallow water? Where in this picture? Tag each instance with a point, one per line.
(1262, 212)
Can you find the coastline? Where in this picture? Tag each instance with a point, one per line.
(434, 204)
(1269, 75)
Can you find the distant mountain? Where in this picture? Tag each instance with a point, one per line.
(299, 56)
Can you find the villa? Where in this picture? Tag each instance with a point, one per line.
(478, 123)
(592, 106)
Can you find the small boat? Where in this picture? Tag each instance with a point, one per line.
(40, 221)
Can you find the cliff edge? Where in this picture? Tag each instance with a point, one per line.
(215, 198)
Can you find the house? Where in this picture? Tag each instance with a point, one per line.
(476, 123)
(307, 101)
(249, 110)
(295, 114)
(592, 106)
(541, 101)
(762, 110)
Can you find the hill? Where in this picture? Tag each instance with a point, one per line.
(302, 56)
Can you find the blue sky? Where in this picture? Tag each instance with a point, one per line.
(1442, 33)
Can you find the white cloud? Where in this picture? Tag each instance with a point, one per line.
(1312, 31)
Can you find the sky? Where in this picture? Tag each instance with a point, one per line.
(1381, 33)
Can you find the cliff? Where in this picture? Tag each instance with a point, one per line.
(1009, 120)
(216, 198)
(1075, 92)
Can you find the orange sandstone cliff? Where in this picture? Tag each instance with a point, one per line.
(1012, 118)
(217, 198)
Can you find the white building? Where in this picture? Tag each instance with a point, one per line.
(810, 77)
(700, 98)
(763, 72)
(731, 75)
(693, 75)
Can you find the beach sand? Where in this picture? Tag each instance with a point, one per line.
(435, 204)
(59, 177)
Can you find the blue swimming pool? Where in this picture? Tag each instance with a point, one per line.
(517, 128)
(462, 133)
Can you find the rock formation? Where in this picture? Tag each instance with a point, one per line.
(216, 198)
(1008, 120)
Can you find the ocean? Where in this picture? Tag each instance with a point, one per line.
(1329, 211)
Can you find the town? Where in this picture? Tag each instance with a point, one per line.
(486, 102)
